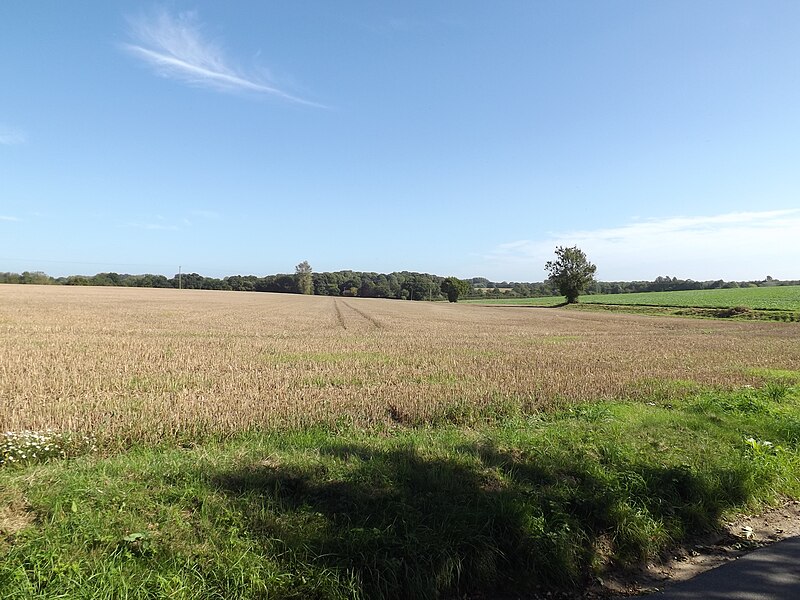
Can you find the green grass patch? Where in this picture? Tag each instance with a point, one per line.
(773, 303)
(542, 301)
(167, 383)
(765, 298)
(425, 512)
(782, 375)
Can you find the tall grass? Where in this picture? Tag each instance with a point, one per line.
(431, 512)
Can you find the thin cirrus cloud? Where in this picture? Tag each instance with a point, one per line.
(10, 137)
(160, 225)
(9, 218)
(732, 246)
(175, 48)
(205, 214)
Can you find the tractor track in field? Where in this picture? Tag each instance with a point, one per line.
(339, 316)
(369, 318)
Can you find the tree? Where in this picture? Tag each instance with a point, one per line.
(571, 272)
(453, 288)
(37, 278)
(303, 279)
(188, 281)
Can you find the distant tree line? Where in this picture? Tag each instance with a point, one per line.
(493, 289)
(403, 285)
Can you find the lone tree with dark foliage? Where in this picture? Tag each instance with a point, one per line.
(571, 272)
(454, 288)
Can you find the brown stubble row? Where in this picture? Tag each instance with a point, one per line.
(143, 365)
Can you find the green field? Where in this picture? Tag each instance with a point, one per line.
(765, 298)
(542, 301)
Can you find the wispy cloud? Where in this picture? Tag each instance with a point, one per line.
(8, 218)
(205, 214)
(172, 223)
(11, 137)
(176, 48)
(738, 245)
(154, 226)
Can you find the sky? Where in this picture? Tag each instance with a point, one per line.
(456, 137)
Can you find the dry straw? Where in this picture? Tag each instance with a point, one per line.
(140, 365)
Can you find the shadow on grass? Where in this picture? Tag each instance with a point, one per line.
(401, 522)
(510, 305)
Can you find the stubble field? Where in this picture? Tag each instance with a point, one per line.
(131, 365)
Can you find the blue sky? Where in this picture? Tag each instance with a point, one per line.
(458, 138)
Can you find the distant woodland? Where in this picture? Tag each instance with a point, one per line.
(403, 285)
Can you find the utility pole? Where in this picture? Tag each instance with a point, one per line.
(180, 281)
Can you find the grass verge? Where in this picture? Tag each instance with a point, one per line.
(739, 313)
(780, 299)
(588, 303)
(423, 512)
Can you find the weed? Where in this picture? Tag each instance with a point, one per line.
(776, 390)
(782, 375)
(22, 447)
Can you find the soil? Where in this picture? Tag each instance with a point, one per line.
(737, 538)
(745, 534)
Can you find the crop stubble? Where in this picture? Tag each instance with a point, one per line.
(141, 365)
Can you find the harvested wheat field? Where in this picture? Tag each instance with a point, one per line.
(145, 364)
